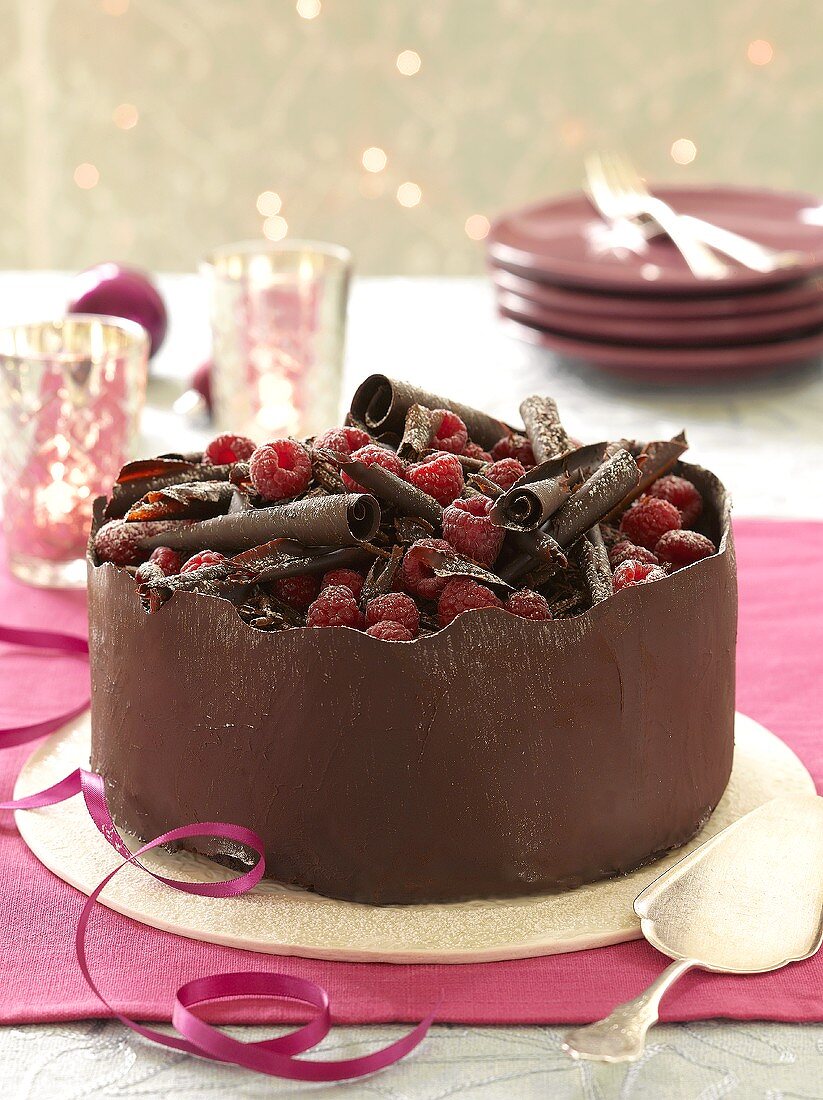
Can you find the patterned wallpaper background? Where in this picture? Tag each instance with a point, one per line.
(151, 130)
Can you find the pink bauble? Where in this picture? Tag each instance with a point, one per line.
(121, 292)
(201, 382)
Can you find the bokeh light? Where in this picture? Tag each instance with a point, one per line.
(760, 52)
(683, 151)
(374, 159)
(275, 228)
(408, 62)
(126, 116)
(477, 227)
(269, 203)
(409, 194)
(86, 176)
(308, 9)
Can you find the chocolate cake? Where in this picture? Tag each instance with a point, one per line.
(427, 656)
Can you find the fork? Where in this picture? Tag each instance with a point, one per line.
(617, 192)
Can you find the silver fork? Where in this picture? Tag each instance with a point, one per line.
(617, 192)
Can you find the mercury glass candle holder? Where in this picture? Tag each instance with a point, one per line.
(278, 315)
(71, 393)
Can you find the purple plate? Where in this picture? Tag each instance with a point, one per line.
(562, 241)
(694, 332)
(674, 363)
(573, 300)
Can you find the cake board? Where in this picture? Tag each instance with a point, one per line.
(284, 920)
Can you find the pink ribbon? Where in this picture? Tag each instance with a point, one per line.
(274, 1057)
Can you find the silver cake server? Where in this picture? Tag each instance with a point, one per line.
(748, 900)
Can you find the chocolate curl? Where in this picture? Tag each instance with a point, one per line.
(418, 433)
(447, 563)
(577, 465)
(655, 460)
(380, 578)
(596, 497)
(136, 479)
(325, 472)
(405, 497)
(534, 546)
(208, 580)
(293, 565)
(191, 500)
(345, 519)
(545, 432)
(382, 403)
(590, 557)
(240, 500)
(525, 507)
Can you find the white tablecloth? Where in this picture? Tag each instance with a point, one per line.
(764, 438)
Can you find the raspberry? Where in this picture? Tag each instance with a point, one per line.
(474, 450)
(466, 525)
(528, 605)
(343, 440)
(228, 448)
(417, 578)
(440, 475)
(373, 455)
(335, 606)
(680, 548)
(682, 494)
(280, 469)
(462, 594)
(344, 578)
(648, 519)
(629, 573)
(167, 559)
(298, 592)
(514, 446)
(116, 541)
(394, 607)
(505, 472)
(202, 558)
(451, 434)
(390, 632)
(624, 550)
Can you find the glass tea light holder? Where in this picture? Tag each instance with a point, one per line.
(71, 394)
(278, 316)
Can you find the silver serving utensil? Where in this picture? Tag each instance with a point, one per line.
(748, 900)
(617, 196)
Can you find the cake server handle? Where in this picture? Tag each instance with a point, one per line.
(621, 1036)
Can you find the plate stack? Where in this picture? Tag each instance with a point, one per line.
(604, 294)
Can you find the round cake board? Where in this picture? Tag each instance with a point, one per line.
(283, 920)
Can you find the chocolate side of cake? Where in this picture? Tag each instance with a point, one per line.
(498, 757)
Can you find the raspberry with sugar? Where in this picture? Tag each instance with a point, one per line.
(440, 475)
(680, 548)
(280, 469)
(630, 573)
(682, 494)
(514, 446)
(463, 594)
(505, 472)
(166, 559)
(228, 448)
(625, 550)
(343, 440)
(474, 450)
(648, 519)
(203, 558)
(528, 605)
(452, 434)
(389, 631)
(466, 525)
(417, 578)
(373, 455)
(117, 540)
(394, 607)
(298, 592)
(345, 578)
(335, 606)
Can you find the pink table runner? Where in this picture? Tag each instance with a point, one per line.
(780, 683)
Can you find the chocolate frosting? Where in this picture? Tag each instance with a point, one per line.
(497, 757)
(381, 404)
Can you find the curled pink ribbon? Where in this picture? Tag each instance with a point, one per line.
(274, 1057)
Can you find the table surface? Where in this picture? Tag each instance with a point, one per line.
(763, 437)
